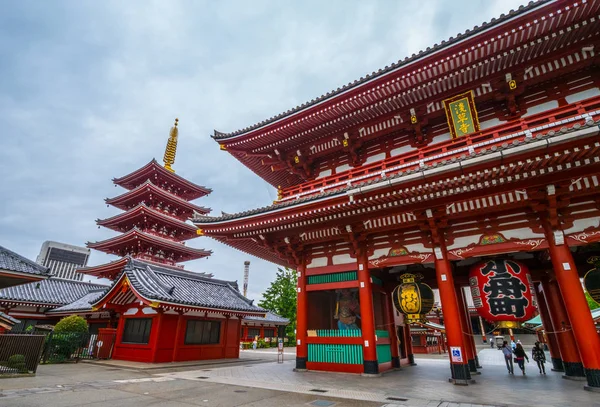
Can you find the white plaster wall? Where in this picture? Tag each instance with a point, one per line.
(441, 137)
(586, 94)
(401, 150)
(379, 252)
(580, 225)
(342, 259)
(552, 104)
(317, 262)
(523, 233)
(148, 311)
(489, 123)
(323, 174)
(131, 311)
(464, 241)
(374, 158)
(342, 168)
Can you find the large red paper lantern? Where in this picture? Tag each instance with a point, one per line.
(502, 292)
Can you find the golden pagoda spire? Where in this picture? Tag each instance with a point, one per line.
(171, 150)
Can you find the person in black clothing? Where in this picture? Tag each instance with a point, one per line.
(537, 354)
(520, 357)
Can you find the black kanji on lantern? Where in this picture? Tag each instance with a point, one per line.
(504, 290)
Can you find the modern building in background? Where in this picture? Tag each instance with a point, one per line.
(63, 259)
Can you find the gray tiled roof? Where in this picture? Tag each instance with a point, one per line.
(165, 284)
(430, 50)
(199, 219)
(8, 318)
(83, 304)
(54, 291)
(12, 261)
(270, 317)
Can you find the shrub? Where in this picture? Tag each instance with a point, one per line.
(73, 323)
(17, 362)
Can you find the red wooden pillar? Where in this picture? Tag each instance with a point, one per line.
(178, 333)
(367, 316)
(261, 331)
(157, 331)
(409, 348)
(389, 308)
(577, 308)
(301, 319)
(458, 364)
(557, 364)
(562, 326)
(225, 336)
(470, 351)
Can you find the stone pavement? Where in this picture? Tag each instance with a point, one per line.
(422, 385)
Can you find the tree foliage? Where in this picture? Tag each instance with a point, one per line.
(591, 303)
(73, 323)
(280, 297)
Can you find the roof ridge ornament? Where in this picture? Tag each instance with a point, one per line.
(171, 149)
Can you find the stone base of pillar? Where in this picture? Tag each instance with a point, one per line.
(300, 364)
(477, 365)
(557, 365)
(411, 360)
(573, 369)
(472, 366)
(593, 379)
(395, 362)
(460, 374)
(371, 367)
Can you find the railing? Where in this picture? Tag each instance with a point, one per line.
(20, 354)
(335, 353)
(332, 278)
(329, 333)
(69, 347)
(496, 136)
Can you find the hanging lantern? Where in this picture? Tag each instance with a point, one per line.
(502, 292)
(591, 281)
(413, 298)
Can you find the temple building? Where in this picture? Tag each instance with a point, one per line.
(162, 312)
(268, 326)
(16, 269)
(474, 163)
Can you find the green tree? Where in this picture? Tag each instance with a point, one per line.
(73, 323)
(591, 303)
(280, 297)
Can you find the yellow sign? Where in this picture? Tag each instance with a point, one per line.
(512, 85)
(461, 115)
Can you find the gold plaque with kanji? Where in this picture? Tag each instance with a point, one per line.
(461, 115)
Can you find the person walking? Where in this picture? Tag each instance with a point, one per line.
(520, 357)
(538, 354)
(507, 351)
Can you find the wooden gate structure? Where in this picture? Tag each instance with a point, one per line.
(485, 145)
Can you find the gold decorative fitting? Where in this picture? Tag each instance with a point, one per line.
(512, 84)
(171, 149)
(222, 147)
(154, 304)
(297, 159)
(200, 232)
(413, 120)
(509, 324)
(279, 193)
(94, 308)
(345, 142)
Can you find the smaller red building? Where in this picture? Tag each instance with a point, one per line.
(267, 326)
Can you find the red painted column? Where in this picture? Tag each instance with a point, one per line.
(225, 336)
(178, 333)
(454, 333)
(469, 348)
(261, 333)
(367, 316)
(557, 364)
(562, 327)
(301, 319)
(389, 308)
(577, 307)
(157, 331)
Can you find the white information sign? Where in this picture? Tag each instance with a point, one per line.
(456, 354)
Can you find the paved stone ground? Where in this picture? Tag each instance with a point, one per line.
(272, 384)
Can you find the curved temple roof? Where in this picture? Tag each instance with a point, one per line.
(53, 291)
(388, 69)
(13, 262)
(166, 285)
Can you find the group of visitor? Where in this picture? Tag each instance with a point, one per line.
(516, 349)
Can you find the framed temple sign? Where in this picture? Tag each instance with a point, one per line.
(461, 114)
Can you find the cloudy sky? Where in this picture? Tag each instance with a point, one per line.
(89, 90)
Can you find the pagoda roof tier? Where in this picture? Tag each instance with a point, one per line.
(167, 288)
(114, 268)
(127, 220)
(136, 241)
(522, 44)
(144, 191)
(507, 174)
(164, 178)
